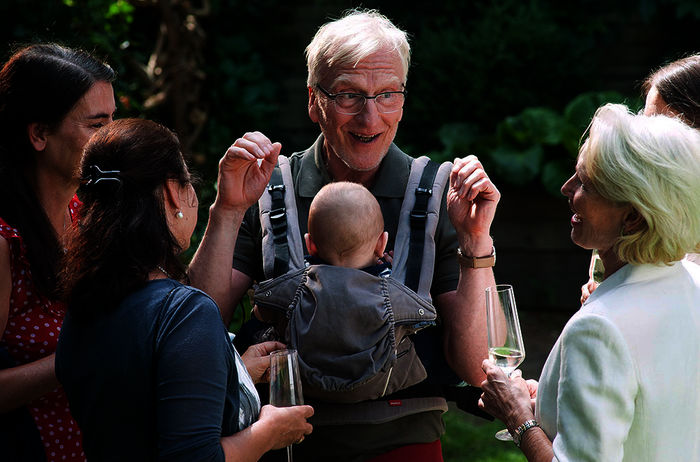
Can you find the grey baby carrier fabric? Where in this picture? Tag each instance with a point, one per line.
(351, 328)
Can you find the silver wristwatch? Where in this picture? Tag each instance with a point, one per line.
(518, 434)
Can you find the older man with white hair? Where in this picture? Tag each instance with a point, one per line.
(357, 75)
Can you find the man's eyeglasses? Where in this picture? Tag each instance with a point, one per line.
(352, 103)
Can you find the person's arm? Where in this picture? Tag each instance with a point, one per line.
(595, 395)
(277, 428)
(27, 382)
(194, 383)
(241, 182)
(471, 204)
(509, 400)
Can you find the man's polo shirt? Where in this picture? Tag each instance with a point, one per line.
(310, 174)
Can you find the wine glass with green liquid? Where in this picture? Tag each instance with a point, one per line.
(505, 339)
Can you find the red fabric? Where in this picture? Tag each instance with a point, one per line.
(425, 452)
(31, 333)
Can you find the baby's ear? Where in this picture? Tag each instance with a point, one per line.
(310, 245)
(381, 244)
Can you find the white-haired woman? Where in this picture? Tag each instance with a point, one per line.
(620, 383)
(672, 90)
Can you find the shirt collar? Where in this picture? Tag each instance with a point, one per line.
(632, 274)
(390, 181)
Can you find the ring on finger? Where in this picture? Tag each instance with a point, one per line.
(299, 440)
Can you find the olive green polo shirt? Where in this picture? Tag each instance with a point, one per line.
(309, 174)
(350, 443)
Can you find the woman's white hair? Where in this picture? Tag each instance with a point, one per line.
(347, 41)
(653, 164)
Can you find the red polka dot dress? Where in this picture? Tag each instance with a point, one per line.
(31, 333)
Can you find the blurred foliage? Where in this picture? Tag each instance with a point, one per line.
(497, 79)
(472, 439)
(539, 144)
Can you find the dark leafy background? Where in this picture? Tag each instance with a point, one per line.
(513, 81)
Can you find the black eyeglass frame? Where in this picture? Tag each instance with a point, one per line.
(333, 96)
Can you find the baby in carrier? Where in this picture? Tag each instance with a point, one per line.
(346, 228)
(347, 318)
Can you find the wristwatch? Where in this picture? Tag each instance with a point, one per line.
(477, 262)
(520, 431)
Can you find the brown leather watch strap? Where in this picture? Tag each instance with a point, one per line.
(477, 262)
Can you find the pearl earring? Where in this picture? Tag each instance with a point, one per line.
(179, 215)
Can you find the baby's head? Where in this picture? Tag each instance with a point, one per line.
(346, 227)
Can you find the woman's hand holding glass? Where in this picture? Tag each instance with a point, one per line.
(257, 360)
(509, 399)
(531, 384)
(287, 425)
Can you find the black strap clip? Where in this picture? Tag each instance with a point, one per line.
(419, 213)
(424, 191)
(278, 213)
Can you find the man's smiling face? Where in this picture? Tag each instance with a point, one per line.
(362, 140)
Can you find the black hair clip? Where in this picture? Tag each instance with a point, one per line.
(96, 174)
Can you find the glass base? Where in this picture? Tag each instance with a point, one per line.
(504, 435)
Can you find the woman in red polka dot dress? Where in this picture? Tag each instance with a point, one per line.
(51, 100)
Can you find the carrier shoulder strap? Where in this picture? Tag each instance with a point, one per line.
(282, 249)
(414, 247)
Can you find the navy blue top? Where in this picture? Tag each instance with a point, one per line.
(153, 380)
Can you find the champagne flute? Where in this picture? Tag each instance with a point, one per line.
(285, 382)
(505, 339)
(596, 271)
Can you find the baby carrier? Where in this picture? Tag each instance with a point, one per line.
(351, 328)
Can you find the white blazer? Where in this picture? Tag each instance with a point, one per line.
(622, 382)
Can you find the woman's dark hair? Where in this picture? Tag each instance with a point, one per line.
(678, 83)
(40, 83)
(122, 233)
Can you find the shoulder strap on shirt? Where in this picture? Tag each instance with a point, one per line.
(414, 248)
(282, 249)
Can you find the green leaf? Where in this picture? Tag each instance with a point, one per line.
(554, 174)
(517, 166)
(537, 125)
(458, 136)
(579, 112)
(120, 7)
